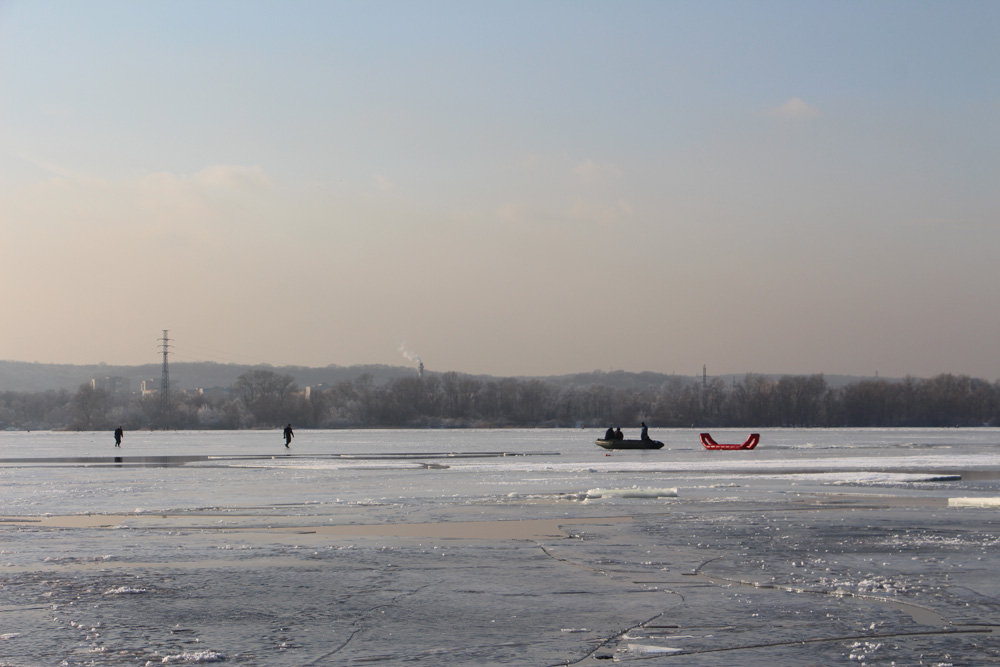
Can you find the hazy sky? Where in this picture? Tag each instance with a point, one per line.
(514, 188)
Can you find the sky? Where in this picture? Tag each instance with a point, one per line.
(504, 187)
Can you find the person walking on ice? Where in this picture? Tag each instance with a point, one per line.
(119, 434)
(288, 435)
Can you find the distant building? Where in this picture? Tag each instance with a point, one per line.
(151, 387)
(114, 386)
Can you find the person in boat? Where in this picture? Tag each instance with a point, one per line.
(288, 435)
(610, 433)
(618, 433)
(645, 432)
(119, 434)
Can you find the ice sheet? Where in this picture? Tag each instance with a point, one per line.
(471, 547)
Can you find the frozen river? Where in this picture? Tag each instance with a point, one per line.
(483, 547)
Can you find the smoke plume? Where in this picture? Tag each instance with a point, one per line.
(409, 354)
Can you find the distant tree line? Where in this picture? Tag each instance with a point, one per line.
(265, 399)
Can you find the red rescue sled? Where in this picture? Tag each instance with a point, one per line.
(750, 443)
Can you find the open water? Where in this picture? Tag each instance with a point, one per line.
(518, 547)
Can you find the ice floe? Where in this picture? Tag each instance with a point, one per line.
(125, 590)
(640, 649)
(193, 657)
(632, 492)
(974, 502)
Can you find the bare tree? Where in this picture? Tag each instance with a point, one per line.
(90, 407)
(266, 395)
